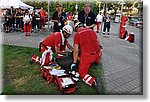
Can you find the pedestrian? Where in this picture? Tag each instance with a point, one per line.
(75, 17)
(99, 19)
(86, 39)
(19, 20)
(27, 23)
(54, 43)
(124, 20)
(7, 22)
(87, 17)
(13, 18)
(34, 16)
(43, 15)
(106, 20)
(69, 20)
(39, 22)
(58, 18)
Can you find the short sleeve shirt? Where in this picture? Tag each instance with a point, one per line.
(53, 40)
(61, 18)
(87, 19)
(87, 41)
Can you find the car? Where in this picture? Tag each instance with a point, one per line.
(137, 22)
(117, 18)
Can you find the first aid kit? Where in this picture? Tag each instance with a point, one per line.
(58, 76)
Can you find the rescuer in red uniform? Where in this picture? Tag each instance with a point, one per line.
(87, 41)
(55, 42)
(124, 20)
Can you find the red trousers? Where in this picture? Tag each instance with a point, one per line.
(27, 28)
(43, 21)
(46, 59)
(98, 26)
(84, 65)
(122, 33)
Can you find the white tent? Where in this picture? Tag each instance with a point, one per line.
(14, 3)
(3, 3)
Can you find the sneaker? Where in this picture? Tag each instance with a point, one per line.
(98, 85)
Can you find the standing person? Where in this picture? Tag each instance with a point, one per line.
(34, 21)
(99, 19)
(54, 43)
(27, 23)
(124, 20)
(106, 20)
(43, 15)
(38, 22)
(69, 20)
(86, 39)
(58, 18)
(13, 18)
(19, 17)
(75, 16)
(87, 17)
(7, 22)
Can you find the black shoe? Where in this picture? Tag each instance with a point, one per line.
(98, 85)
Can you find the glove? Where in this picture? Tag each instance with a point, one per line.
(73, 66)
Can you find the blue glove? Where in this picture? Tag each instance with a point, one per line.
(73, 66)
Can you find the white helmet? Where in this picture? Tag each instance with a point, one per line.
(68, 29)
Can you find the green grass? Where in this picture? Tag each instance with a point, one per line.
(20, 77)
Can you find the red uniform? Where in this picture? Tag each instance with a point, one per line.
(124, 19)
(43, 15)
(54, 39)
(27, 28)
(90, 52)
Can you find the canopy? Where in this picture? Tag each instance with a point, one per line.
(14, 3)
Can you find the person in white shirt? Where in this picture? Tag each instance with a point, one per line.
(99, 19)
(27, 23)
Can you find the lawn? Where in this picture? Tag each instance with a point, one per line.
(21, 77)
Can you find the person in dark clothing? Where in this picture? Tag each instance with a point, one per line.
(13, 18)
(87, 17)
(106, 20)
(19, 17)
(34, 16)
(13, 21)
(58, 18)
(39, 22)
(7, 21)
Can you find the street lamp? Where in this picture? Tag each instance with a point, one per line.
(48, 15)
(122, 5)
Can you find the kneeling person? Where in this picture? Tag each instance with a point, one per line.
(54, 43)
(87, 41)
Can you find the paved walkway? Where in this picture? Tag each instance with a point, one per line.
(122, 65)
(121, 60)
